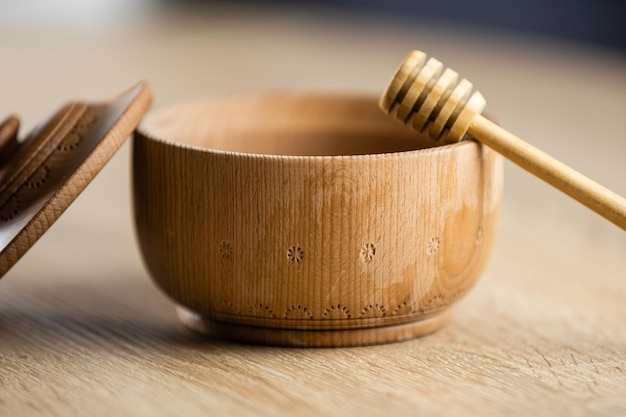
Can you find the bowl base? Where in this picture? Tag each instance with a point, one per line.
(310, 338)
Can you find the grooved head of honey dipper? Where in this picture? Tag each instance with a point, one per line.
(428, 98)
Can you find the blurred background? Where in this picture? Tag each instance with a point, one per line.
(554, 72)
(597, 22)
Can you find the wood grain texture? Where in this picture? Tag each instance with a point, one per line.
(298, 213)
(421, 96)
(44, 173)
(84, 331)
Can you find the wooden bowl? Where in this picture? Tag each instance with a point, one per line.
(309, 220)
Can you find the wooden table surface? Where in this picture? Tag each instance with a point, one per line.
(83, 331)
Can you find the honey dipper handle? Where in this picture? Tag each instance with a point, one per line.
(603, 201)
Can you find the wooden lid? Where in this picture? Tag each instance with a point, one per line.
(41, 175)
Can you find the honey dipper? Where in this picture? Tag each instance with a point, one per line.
(428, 98)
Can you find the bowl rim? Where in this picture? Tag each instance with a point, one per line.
(142, 129)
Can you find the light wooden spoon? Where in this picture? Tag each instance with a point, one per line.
(427, 98)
